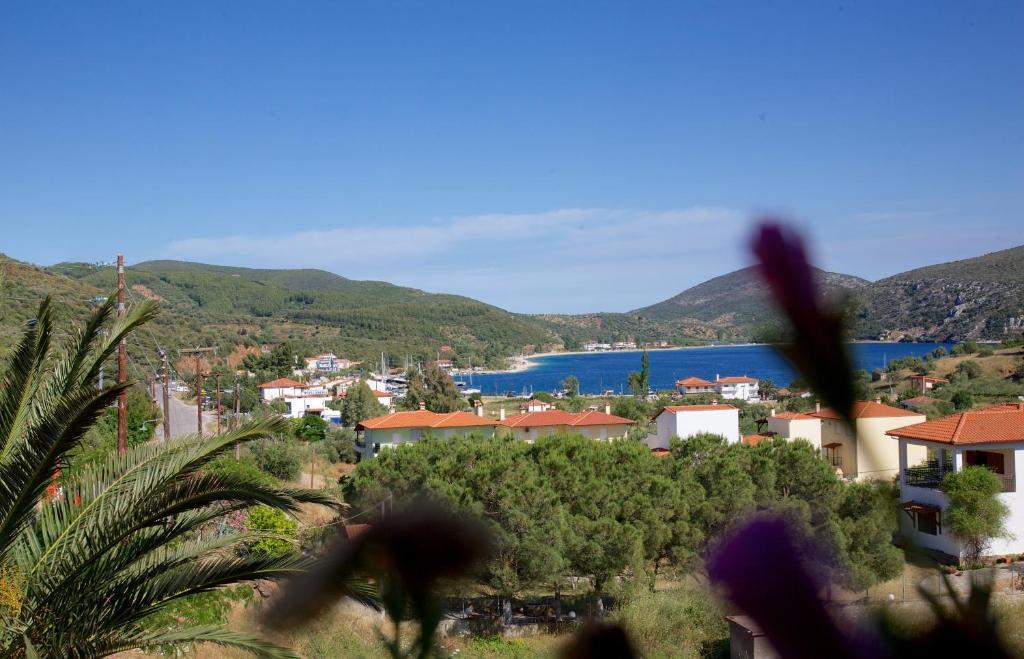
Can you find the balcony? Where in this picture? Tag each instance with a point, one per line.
(928, 475)
(835, 460)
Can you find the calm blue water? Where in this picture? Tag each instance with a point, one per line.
(609, 370)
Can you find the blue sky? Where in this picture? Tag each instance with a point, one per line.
(545, 157)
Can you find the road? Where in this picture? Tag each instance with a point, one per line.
(183, 417)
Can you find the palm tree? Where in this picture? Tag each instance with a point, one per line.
(121, 542)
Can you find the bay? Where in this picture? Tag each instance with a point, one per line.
(609, 370)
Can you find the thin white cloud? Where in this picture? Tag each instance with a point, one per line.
(567, 260)
(893, 216)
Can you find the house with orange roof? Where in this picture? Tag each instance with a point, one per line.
(992, 437)
(925, 383)
(280, 388)
(795, 425)
(694, 386)
(688, 420)
(865, 451)
(397, 428)
(737, 387)
(530, 426)
(535, 405)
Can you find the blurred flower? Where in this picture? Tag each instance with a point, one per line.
(818, 350)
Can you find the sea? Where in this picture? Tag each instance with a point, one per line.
(601, 371)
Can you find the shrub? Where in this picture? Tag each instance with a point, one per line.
(338, 446)
(962, 400)
(281, 459)
(986, 352)
(970, 368)
(271, 520)
(227, 466)
(976, 514)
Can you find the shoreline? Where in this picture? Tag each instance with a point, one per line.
(524, 363)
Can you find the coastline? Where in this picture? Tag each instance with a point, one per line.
(525, 363)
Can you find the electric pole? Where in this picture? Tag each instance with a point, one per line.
(197, 353)
(238, 410)
(122, 366)
(166, 395)
(218, 402)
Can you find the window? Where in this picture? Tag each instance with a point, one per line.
(416, 434)
(928, 522)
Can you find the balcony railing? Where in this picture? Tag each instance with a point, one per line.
(928, 475)
(835, 460)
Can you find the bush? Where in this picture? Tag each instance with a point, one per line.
(965, 348)
(976, 514)
(962, 400)
(986, 352)
(970, 368)
(310, 428)
(281, 459)
(338, 446)
(272, 521)
(230, 467)
(676, 623)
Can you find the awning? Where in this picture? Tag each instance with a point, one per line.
(833, 445)
(918, 507)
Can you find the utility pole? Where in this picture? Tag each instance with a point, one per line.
(166, 395)
(197, 353)
(218, 402)
(122, 366)
(238, 411)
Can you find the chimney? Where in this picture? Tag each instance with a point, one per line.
(878, 399)
(479, 410)
(817, 406)
(423, 405)
(717, 377)
(607, 408)
(501, 414)
(773, 411)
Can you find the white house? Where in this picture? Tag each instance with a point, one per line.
(301, 405)
(795, 425)
(992, 437)
(535, 405)
(738, 387)
(388, 431)
(326, 363)
(280, 388)
(688, 420)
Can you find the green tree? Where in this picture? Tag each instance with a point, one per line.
(862, 530)
(970, 369)
(120, 542)
(571, 386)
(766, 388)
(311, 428)
(360, 404)
(276, 532)
(416, 391)
(962, 399)
(442, 394)
(976, 514)
(640, 381)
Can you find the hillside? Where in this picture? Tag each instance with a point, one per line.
(319, 310)
(972, 298)
(736, 304)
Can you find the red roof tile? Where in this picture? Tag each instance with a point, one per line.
(866, 409)
(693, 382)
(793, 416)
(672, 409)
(995, 424)
(280, 383)
(425, 419)
(561, 418)
(736, 379)
(757, 438)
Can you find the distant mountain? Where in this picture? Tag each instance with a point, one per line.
(319, 310)
(737, 303)
(973, 298)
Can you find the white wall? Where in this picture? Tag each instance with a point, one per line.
(725, 422)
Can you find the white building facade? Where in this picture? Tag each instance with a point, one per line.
(737, 388)
(993, 438)
(688, 420)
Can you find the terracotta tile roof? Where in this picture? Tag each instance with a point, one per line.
(661, 452)
(672, 409)
(560, 418)
(792, 416)
(928, 378)
(994, 424)
(866, 409)
(757, 438)
(693, 382)
(280, 382)
(425, 419)
(381, 394)
(736, 379)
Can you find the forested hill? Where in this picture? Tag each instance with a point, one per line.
(969, 299)
(319, 310)
(737, 304)
(972, 298)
